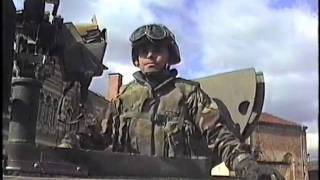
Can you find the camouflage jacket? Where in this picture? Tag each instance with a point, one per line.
(175, 118)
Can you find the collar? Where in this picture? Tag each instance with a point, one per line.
(157, 80)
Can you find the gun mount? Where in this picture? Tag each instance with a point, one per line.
(7, 50)
(240, 100)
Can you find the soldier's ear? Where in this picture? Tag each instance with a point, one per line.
(136, 63)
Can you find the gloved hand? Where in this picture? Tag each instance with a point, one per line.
(70, 140)
(251, 170)
(83, 140)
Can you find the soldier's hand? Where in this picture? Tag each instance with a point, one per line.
(251, 170)
(70, 140)
(83, 140)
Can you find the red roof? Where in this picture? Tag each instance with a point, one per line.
(271, 119)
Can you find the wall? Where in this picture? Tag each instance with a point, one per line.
(280, 144)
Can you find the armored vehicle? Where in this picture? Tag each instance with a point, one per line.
(34, 40)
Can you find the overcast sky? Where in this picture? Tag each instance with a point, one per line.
(277, 37)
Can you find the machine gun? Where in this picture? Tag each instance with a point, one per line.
(42, 40)
(34, 42)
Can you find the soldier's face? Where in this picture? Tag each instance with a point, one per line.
(152, 57)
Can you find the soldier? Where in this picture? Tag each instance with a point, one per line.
(159, 114)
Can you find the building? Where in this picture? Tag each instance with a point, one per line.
(281, 144)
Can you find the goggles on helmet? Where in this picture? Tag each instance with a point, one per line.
(155, 32)
(152, 31)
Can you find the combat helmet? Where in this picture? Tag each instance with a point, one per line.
(155, 33)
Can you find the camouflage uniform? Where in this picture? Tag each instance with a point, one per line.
(170, 117)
